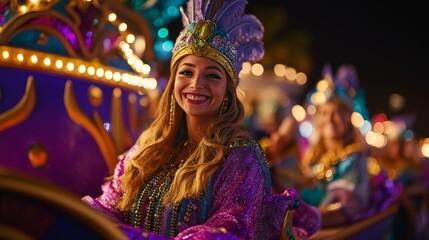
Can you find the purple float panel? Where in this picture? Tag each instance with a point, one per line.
(35, 124)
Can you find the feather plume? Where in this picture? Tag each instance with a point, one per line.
(185, 19)
(246, 29)
(229, 12)
(211, 7)
(190, 10)
(250, 52)
(193, 10)
(246, 35)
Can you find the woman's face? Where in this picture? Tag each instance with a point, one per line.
(200, 86)
(333, 121)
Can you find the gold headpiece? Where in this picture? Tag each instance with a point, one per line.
(220, 31)
(204, 38)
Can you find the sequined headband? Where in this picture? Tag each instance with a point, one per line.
(206, 39)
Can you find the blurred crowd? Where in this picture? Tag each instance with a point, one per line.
(345, 162)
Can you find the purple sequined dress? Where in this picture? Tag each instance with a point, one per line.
(238, 204)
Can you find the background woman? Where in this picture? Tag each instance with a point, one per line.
(336, 164)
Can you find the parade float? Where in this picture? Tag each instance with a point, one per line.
(77, 81)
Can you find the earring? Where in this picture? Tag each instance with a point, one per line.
(172, 108)
(223, 106)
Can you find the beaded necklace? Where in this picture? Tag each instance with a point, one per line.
(153, 194)
(325, 167)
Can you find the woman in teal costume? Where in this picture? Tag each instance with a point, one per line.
(336, 165)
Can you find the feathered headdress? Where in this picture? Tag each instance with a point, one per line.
(219, 29)
(344, 85)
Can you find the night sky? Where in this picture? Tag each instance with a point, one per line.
(384, 42)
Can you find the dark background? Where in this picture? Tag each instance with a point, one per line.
(385, 42)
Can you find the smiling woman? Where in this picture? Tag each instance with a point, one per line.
(200, 88)
(336, 164)
(194, 173)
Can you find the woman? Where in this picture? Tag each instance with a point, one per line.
(337, 163)
(194, 173)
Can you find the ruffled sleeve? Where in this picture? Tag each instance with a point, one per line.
(239, 189)
(107, 202)
(242, 205)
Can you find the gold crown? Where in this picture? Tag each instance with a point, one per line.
(206, 39)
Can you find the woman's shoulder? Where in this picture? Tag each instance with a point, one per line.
(248, 149)
(245, 156)
(246, 142)
(247, 145)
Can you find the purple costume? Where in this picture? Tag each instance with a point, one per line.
(237, 205)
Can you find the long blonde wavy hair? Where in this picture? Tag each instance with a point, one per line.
(160, 140)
